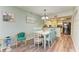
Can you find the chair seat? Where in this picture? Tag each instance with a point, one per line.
(38, 40)
(21, 39)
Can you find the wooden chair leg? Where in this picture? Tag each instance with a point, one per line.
(25, 42)
(16, 44)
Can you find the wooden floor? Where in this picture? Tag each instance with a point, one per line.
(63, 44)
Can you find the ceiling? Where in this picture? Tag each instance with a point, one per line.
(50, 9)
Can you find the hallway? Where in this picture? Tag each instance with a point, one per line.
(63, 44)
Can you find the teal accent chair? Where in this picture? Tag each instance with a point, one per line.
(48, 39)
(51, 36)
(21, 37)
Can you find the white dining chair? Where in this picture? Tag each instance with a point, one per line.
(37, 39)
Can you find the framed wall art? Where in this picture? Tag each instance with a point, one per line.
(8, 17)
(30, 20)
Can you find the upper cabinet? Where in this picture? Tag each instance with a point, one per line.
(58, 21)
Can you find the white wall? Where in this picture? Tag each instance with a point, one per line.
(19, 25)
(75, 30)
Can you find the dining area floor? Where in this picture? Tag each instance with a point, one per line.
(62, 44)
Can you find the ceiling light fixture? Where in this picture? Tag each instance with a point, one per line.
(45, 17)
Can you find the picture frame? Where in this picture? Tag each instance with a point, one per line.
(30, 20)
(8, 16)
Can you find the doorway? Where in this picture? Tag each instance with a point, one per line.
(67, 28)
